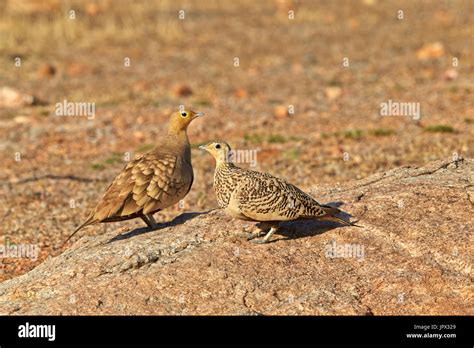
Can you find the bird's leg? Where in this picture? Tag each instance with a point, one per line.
(265, 239)
(261, 229)
(145, 219)
(152, 220)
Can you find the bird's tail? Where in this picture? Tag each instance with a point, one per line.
(336, 219)
(330, 212)
(90, 220)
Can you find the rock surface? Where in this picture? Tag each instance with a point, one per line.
(412, 256)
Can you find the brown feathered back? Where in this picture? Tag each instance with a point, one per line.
(151, 182)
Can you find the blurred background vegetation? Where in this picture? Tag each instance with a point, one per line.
(335, 134)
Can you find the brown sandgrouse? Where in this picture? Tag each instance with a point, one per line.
(255, 196)
(152, 181)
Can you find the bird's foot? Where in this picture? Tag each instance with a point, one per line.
(267, 236)
(253, 235)
(259, 241)
(262, 229)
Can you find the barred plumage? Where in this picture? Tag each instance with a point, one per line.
(250, 195)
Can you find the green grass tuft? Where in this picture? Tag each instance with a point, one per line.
(253, 138)
(115, 158)
(203, 102)
(439, 128)
(277, 138)
(292, 153)
(145, 148)
(98, 166)
(382, 132)
(272, 138)
(334, 83)
(352, 134)
(324, 135)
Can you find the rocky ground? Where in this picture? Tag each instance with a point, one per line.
(268, 82)
(411, 255)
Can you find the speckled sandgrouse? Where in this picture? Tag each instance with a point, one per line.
(255, 196)
(153, 181)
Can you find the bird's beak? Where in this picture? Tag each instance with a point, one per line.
(198, 114)
(202, 147)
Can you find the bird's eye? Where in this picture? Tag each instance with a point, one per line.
(184, 114)
(218, 146)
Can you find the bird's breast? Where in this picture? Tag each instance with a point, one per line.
(224, 185)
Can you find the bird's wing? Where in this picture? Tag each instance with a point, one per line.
(171, 181)
(149, 183)
(263, 197)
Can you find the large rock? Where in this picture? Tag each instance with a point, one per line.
(412, 256)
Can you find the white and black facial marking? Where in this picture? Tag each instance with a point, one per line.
(228, 153)
(220, 151)
(229, 156)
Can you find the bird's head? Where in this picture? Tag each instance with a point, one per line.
(180, 120)
(220, 150)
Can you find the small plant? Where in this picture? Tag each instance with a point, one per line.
(454, 89)
(115, 158)
(277, 138)
(292, 153)
(382, 132)
(97, 166)
(145, 148)
(203, 102)
(439, 128)
(324, 135)
(352, 134)
(253, 138)
(334, 83)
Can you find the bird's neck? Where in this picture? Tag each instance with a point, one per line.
(180, 133)
(224, 165)
(181, 142)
